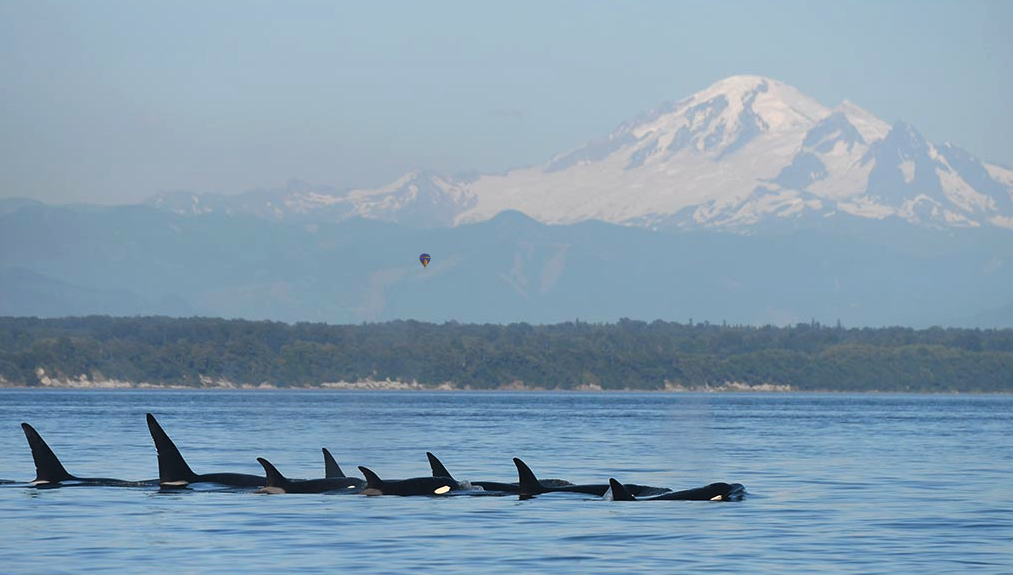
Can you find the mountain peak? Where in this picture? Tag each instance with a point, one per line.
(871, 127)
(742, 83)
(905, 134)
(769, 104)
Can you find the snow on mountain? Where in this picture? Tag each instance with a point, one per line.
(419, 198)
(298, 200)
(746, 152)
(924, 184)
(867, 124)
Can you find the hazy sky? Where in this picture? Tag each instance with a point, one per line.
(110, 102)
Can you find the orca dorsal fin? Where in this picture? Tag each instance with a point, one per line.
(331, 469)
(172, 468)
(529, 484)
(437, 466)
(373, 480)
(48, 468)
(274, 477)
(619, 491)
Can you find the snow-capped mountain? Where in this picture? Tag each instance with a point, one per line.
(748, 151)
(744, 153)
(298, 200)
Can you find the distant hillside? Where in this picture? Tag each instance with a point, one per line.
(625, 355)
(28, 293)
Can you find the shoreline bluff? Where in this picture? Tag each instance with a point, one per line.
(83, 382)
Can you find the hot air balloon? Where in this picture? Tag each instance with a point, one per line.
(424, 258)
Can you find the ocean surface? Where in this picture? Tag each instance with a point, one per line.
(837, 483)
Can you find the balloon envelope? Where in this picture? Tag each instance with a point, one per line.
(424, 258)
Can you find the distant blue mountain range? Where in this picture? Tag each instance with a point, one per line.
(130, 260)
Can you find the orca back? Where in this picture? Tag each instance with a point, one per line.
(413, 486)
(496, 486)
(712, 492)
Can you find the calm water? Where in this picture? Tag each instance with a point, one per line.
(837, 483)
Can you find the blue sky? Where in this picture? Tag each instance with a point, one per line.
(110, 102)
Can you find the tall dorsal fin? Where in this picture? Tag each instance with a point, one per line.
(48, 468)
(437, 466)
(619, 491)
(331, 468)
(373, 480)
(172, 468)
(529, 484)
(274, 477)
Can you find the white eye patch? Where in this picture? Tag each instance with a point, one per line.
(442, 490)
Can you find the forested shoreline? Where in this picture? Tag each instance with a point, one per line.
(629, 354)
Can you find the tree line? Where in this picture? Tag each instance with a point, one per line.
(628, 354)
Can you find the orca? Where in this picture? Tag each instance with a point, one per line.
(529, 485)
(49, 472)
(439, 470)
(278, 483)
(413, 486)
(173, 471)
(712, 492)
